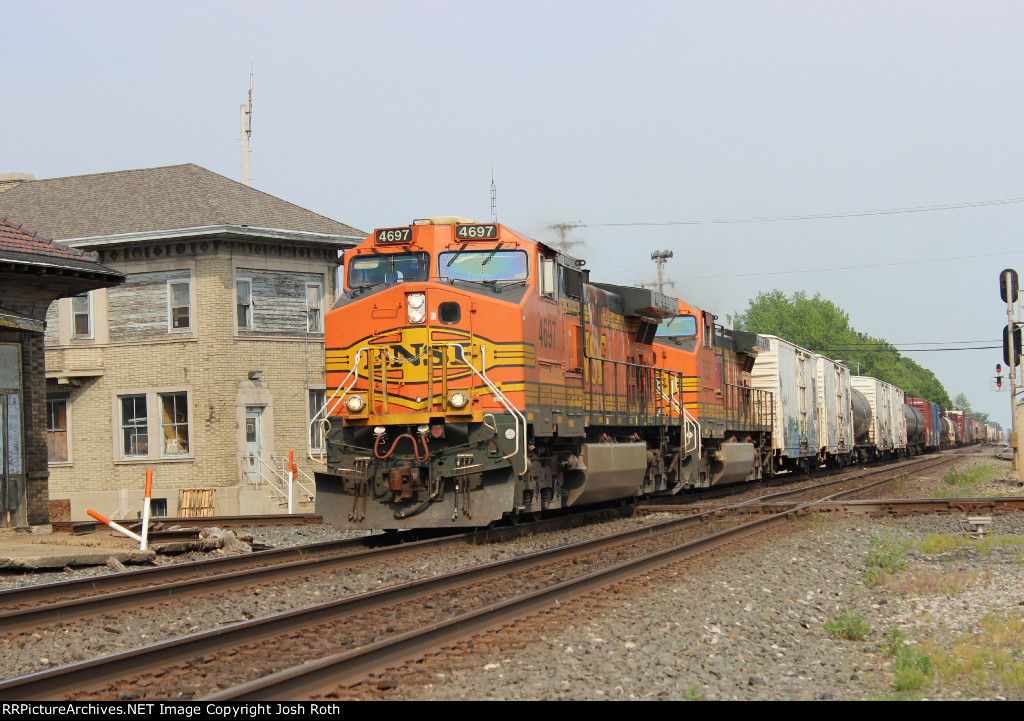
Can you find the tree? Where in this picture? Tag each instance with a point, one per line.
(821, 326)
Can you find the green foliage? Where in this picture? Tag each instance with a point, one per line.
(848, 625)
(819, 325)
(912, 668)
(883, 558)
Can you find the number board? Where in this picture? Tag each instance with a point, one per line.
(477, 232)
(394, 235)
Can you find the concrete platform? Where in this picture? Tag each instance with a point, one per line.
(40, 550)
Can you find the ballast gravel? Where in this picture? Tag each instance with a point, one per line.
(746, 625)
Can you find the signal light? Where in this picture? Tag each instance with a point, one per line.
(999, 368)
(1011, 345)
(999, 381)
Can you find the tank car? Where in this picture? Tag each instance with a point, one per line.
(475, 374)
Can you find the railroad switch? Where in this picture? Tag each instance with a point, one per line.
(974, 526)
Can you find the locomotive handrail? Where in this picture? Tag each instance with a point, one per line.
(323, 420)
(690, 424)
(460, 354)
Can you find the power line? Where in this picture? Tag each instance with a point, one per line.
(862, 349)
(817, 216)
(853, 267)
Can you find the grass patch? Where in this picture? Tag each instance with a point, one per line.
(945, 542)
(912, 669)
(961, 483)
(848, 625)
(933, 583)
(989, 661)
(885, 557)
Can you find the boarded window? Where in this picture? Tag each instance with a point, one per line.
(134, 427)
(174, 423)
(141, 308)
(284, 303)
(56, 430)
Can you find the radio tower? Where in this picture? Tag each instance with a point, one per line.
(246, 112)
(660, 257)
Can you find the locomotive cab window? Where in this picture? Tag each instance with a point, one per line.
(366, 270)
(570, 282)
(684, 325)
(491, 264)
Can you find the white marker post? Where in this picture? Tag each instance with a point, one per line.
(145, 510)
(291, 478)
(116, 526)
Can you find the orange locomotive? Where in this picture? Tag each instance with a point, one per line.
(475, 374)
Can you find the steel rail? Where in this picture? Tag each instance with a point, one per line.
(87, 674)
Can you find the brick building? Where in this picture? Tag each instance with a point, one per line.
(33, 272)
(205, 364)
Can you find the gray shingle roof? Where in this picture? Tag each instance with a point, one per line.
(154, 199)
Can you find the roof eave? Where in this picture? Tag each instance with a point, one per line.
(295, 236)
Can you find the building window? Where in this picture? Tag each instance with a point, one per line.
(243, 295)
(314, 296)
(174, 423)
(317, 398)
(181, 306)
(81, 316)
(57, 430)
(134, 427)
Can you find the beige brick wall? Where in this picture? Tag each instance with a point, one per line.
(212, 365)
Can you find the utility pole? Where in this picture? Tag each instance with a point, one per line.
(246, 112)
(563, 230)
(1008, 291)
(660, 257)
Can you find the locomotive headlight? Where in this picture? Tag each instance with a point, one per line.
(355, 403)
(417, 303)
(458, 399)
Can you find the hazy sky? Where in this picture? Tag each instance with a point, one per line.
(375, 113)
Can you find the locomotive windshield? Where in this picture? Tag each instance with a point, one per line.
(364, 270)
(682, 325)
(491, 264)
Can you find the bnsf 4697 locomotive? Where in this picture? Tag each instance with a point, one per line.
(475, 374)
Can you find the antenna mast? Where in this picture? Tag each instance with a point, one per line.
(494, 198)
(246, 112)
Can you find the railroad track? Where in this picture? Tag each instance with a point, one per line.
(416, 616)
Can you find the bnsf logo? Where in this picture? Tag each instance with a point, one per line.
(414, 355)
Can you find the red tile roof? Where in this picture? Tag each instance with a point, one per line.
(21, 246)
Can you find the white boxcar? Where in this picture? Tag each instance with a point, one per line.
(835, 421)
(788, 372)
(888, 430)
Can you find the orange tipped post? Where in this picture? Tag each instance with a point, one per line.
(145, 510)
(291, 477)
(116, 526)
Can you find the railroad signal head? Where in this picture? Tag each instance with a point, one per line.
(1008, 286)
(1011, 345)
(999, 382)
(999, 368)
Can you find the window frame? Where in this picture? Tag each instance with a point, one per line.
(88, 335)
(313, 407)
(124, 427)
(171, 307)
(319, 310)
(175, 423)
(153, 421)
(248, 306)
(66, 400)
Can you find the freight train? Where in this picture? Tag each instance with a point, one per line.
(476, 375)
